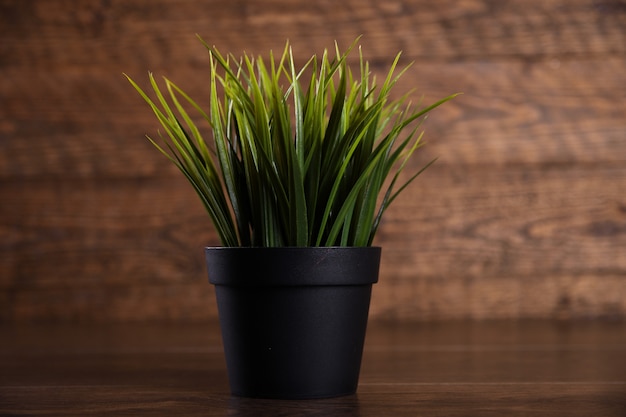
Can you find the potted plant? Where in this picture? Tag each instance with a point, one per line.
(300, 168)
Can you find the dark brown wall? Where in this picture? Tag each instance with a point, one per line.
(524, 214)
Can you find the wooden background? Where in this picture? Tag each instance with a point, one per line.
(523, 216)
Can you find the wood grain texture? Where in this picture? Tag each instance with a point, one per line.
(93, 125)
(524, 214)
(518, 248)
(522, 368)
(162, 33)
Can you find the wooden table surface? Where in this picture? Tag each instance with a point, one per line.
(409, 369)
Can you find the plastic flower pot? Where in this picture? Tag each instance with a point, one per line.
(293, 320)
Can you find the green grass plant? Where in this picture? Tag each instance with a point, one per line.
(299, 156)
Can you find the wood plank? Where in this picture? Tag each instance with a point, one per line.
(403, 295)
(176, 302)
(453, 400)
(55, 32)
(476, 244)
(523, 221)
(89, 233)
(519, 223)
(92, 125)
(541, 368)
(398, 296)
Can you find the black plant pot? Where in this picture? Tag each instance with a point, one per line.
(293, 320)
